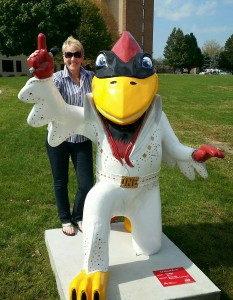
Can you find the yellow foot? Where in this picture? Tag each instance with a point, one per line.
(127, 225)
(89, 286)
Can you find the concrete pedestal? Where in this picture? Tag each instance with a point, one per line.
(166, 275)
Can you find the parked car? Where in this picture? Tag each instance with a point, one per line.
(224, 73)
(214, 72)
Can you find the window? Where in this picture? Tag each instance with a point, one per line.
(18, 66)
(7, 66)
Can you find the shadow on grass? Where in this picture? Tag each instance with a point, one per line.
(209, 246)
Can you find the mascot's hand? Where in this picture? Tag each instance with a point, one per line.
(41, 61)
(205, 152)
(89, 286)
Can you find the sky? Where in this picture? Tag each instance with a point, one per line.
(207, 19)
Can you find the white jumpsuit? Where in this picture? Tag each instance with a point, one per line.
(122, 190)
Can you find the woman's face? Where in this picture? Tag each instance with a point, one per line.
(73, 58)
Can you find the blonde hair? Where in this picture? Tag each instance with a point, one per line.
(71, 41)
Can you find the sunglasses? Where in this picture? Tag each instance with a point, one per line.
(77, 54)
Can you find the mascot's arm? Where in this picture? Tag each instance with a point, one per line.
(187, 158)
(205, 152)
(50, 108)
(41, 61)
(64, 120)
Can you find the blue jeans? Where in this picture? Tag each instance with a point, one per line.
(81, 156)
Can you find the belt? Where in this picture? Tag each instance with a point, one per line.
(128, 182)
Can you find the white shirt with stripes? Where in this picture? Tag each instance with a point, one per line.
(74, 93)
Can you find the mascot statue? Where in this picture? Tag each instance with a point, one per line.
(123, 116)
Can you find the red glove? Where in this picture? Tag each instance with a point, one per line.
(41, 62)
(205, 152)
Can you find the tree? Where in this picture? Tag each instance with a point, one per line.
(174, 51)
(21, 21)
(192, 53)
(161, 66)
(226, 57)
(212, 49)
(108, 18)
(206, 61)
(93, 31)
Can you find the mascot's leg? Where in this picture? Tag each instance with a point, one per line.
(100, 204)
(146, 221)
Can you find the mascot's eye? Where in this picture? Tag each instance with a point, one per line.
(101, 61)
(147, 62)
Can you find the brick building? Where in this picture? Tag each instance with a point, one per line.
(135, 16)
(13, 65)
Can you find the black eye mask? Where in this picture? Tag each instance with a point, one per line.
(116, 67)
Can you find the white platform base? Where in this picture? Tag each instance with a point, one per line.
(131, 277)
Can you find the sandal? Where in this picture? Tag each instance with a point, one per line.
(79, 225)
(68, 229)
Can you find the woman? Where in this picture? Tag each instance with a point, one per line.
(73, 83)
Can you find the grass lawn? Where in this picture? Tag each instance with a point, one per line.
(197, 215)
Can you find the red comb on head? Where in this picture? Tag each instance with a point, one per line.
(126, 47)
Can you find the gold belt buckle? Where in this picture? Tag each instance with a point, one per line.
(129, 182)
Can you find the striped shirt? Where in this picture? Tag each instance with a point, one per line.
(74, 93)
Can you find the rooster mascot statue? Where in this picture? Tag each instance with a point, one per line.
(123, 116)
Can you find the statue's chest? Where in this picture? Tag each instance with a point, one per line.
(142, 155)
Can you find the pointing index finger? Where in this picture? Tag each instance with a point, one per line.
(41, 41)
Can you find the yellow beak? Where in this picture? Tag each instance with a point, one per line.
(123, 100)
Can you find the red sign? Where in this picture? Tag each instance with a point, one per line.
(174, 276)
